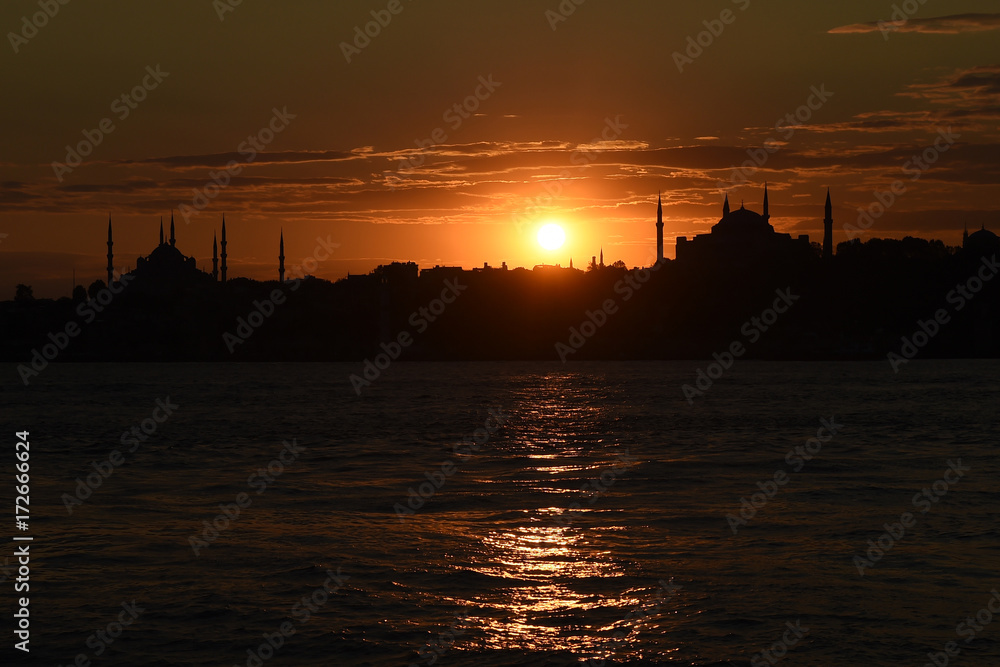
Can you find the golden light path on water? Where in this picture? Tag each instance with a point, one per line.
(559, 573)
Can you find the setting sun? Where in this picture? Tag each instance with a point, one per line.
(551, 237)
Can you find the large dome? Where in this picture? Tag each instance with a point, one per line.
(167, 254)
(984, 236)
(743, 221)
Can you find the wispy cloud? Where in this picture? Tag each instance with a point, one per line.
(939, 25)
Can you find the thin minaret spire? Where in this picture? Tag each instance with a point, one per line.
(281, 257)
(659, 227)
(223, 256)
(215, 258)
(828, 228)
(111, 265)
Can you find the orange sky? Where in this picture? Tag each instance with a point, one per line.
(582, 123)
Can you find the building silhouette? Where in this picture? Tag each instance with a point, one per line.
(111, 264)
(224, 254)
(828, 229)
(743, 236)
(659, 228)
(982, 243)
(281, 257)
(167, 265)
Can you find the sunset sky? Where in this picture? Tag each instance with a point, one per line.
(580, 121)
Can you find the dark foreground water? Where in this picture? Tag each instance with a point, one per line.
(591, 524)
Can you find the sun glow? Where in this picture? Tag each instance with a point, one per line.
(551, 236)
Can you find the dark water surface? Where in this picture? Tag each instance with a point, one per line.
(591, 524)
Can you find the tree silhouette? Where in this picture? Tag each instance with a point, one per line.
(23, 293)
(79, 293)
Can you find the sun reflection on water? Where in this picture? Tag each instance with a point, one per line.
(556, 580)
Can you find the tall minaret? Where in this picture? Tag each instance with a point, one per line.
(828, 228)
(111, 265)
(223, 248)
(602, 256)
(965, 235)
(161, 230)
(725, 207)
(173, 241)
(215, 258)
(659, 228)
(767, 216)
(281, 257)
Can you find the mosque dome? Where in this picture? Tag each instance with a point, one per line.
(743, 221)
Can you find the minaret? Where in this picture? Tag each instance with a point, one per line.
(281, 257)
(828, 228)
(223, 248)
(965, 235)
(215, 258)
(767, 216)
(725, 207)
(659, 228)
(602, 257)
(111, 265)
(173, 241)
(571, 262)
(161, 230)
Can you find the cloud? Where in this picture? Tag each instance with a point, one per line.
(967, 100)
(241, 158)
(972, 88)
(939, 25)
